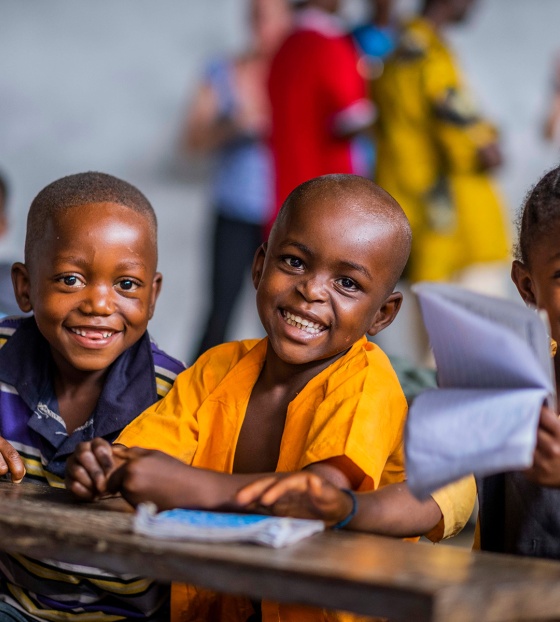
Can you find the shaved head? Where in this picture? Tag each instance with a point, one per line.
(77, 191)
(362, 196)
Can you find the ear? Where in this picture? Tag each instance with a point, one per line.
(521, 276)
(156, 289)
(386, 314)
(258, 264)
(22, 288)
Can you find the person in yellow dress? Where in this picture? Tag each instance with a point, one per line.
(435, 152)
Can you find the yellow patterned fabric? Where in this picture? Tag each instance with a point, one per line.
(428, 137)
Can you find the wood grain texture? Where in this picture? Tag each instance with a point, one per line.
(366, 574)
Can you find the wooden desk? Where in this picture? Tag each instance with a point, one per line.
(361, 573)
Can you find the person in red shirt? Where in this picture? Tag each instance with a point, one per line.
(318, 100)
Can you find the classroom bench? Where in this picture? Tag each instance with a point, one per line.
(362, 573)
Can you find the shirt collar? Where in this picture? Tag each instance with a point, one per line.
(26, 364)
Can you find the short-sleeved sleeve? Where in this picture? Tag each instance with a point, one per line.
(456, 502)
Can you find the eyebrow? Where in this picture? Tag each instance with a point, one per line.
(80, 261)
(345, 264)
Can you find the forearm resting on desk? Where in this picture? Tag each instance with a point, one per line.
(391, 510)
(148, 475)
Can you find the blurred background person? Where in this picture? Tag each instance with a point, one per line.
(435, 156)
(375, 39)
(318, 100)
(69, 104)
(8, 304)
(230, 118)
(551, 129)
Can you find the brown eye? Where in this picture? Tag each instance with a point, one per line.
(128, 285)
(348, 283)
(293, 262)
(71, 281)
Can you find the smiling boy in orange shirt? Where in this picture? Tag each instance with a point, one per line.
(315, 394)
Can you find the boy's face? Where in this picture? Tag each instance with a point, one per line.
(92, 284)
(539, 285)
(323, 281)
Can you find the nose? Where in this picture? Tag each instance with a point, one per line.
(313, 288)
(98, 300)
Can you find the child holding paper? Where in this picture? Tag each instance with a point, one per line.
(520, 512)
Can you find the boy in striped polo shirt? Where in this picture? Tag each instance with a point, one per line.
(82, 366)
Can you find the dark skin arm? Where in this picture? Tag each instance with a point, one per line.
(11, 462)
(97, 468)
(391, 511)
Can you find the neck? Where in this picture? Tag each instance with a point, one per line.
(277, 372)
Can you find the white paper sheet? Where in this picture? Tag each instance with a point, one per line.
(495, 372)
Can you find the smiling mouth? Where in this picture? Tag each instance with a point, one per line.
(95, 335)
(313, 328)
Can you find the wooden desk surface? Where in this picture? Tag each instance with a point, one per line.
(357, 572)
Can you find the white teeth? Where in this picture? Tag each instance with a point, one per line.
(83, 333)
(312, 328)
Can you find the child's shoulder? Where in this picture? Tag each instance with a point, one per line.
(215, 364)
(366, 367)
(166, 369)
(9, 325)
(230, 351)
(165, 361)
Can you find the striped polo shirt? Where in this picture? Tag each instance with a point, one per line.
(30, 421)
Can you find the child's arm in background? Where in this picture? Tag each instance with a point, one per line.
(11, 462)
(391, 511)
(546, 462)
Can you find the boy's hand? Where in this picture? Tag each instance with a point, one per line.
(301, 495)
(89, 467)
(150, 475)
(546, 464)
(11, 462)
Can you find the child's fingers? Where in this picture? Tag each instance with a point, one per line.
(84, 465)
(79, 489)
(549, 422)
(11, 462)
(103, 453)
(296, 483)
(116, 479)
(316, 487)
(78, 480)
(545, 443)
(253, 491)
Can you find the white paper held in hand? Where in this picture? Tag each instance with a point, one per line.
(494, 372)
